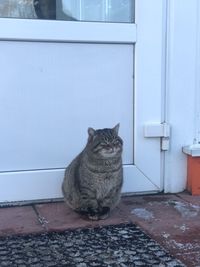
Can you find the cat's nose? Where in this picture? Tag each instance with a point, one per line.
(110, 148)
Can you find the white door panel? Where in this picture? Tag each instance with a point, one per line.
(56, 92)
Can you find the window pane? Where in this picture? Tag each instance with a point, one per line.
(77, 10)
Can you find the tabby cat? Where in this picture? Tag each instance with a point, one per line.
(93, 181)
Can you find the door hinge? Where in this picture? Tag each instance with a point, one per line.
(158, 130)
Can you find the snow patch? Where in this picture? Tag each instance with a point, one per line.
(142, 213)
(184, 228)
(183, 246)
(165, 235)
(185, 209)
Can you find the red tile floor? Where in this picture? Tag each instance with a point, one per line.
(171, 219)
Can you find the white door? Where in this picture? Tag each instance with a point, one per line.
(60, 77)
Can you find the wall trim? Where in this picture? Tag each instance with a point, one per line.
(197, 102)
(182, 86)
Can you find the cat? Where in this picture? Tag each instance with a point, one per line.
(45, 9)
(49, 9)
(93, 181)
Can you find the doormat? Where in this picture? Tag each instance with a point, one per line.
(123, 245)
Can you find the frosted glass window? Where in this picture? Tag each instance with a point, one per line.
(76, 10)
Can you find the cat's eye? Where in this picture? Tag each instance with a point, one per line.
(105, 146)
(74, 10)
(118, 143)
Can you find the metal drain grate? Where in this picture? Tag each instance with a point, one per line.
(123, 245)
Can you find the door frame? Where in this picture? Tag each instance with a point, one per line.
(148, 35)
(150, 72)
(183, 88)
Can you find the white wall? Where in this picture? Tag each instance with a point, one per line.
(182, 86)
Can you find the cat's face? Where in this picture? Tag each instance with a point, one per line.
(105, 143)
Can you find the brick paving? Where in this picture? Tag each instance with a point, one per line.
(173, 220)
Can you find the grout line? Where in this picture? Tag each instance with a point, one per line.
(24, 203)
(183, 199)
(189, 203)
(41, 219)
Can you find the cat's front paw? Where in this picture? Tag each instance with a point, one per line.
(93, 217)
(104, 216)
(104, 213)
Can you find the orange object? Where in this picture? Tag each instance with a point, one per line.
(193, 175)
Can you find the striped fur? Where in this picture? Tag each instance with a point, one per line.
(93, 181)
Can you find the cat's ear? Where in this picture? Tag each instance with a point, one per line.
(91, 132)
(116, 128)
